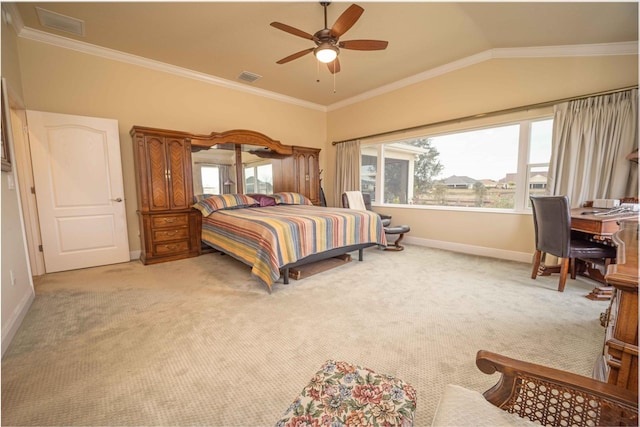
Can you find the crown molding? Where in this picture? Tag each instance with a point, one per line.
(599, 49)
(90, 49)
(602, 49)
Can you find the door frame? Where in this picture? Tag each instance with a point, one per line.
(22, 163)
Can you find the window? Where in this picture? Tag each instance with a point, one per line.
(210, 179)
(495, 167)
(258, 179)
(539, 156)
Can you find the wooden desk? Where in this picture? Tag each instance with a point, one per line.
(600, 228)
(619, 361)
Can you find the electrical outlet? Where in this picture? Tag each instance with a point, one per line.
(13, 278)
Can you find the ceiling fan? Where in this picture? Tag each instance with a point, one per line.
(327, 40)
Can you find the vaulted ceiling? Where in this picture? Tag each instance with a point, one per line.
(224, 39)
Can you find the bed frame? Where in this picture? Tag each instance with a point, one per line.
(284, 271)
(322, 256)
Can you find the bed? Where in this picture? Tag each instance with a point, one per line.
(273, 238)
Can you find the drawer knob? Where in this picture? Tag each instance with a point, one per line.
(169, 220)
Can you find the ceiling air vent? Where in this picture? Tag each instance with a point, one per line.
(248, 77)
(60, 22)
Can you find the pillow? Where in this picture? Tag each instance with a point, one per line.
(288, 198)
(199, 197)
(224, 201)
(263, 199)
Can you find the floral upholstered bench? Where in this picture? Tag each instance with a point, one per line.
(344, 394)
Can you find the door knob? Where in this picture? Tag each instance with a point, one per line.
(117, 200)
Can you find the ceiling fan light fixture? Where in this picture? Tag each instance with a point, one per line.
(326, 52)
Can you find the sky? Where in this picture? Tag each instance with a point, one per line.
(490, 153)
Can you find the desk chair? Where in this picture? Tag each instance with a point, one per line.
(552, 222)
(362, 201)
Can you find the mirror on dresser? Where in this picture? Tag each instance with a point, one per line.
(232, 168)
(263, 165)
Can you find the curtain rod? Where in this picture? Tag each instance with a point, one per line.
(491, 114)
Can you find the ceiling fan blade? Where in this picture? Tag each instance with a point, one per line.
(363, 44)
(334, 66)
(346, 20)
(295, 56)
(291, 30)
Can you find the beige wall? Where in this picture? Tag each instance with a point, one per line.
(489, 86)
(16, 297)
(68, 82)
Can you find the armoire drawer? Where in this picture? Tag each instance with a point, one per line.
(171, 248)
(172, 220)
(168, 234)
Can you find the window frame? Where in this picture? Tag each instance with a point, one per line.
(254, 166)
(209, 166)
(523, 169)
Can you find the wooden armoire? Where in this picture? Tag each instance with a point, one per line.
(168, 225)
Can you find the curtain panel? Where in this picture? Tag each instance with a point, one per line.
(347, 170)
(225, 176)
(592, 138)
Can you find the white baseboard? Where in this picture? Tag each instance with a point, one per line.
(471, 250)
(134, 255)
(9, 331)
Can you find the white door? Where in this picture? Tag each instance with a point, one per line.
(78, 179)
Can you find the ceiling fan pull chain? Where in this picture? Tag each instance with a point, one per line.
(334, 76)
(317, 71)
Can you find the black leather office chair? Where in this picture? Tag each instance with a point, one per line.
(389, 230)
(552, 223)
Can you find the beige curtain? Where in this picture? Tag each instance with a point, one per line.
(347, 169)
(591, 139)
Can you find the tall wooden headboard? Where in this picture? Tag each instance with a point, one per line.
(295, 168)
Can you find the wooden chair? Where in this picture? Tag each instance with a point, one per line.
(552, 223)
(556, 398)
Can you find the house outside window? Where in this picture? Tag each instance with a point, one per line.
(494, 167)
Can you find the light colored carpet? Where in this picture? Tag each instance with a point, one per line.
(199, 342)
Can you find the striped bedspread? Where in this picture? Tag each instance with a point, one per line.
(268, 238)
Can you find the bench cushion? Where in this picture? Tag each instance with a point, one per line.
(462, 407)
(397, 229)
(344, 394)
